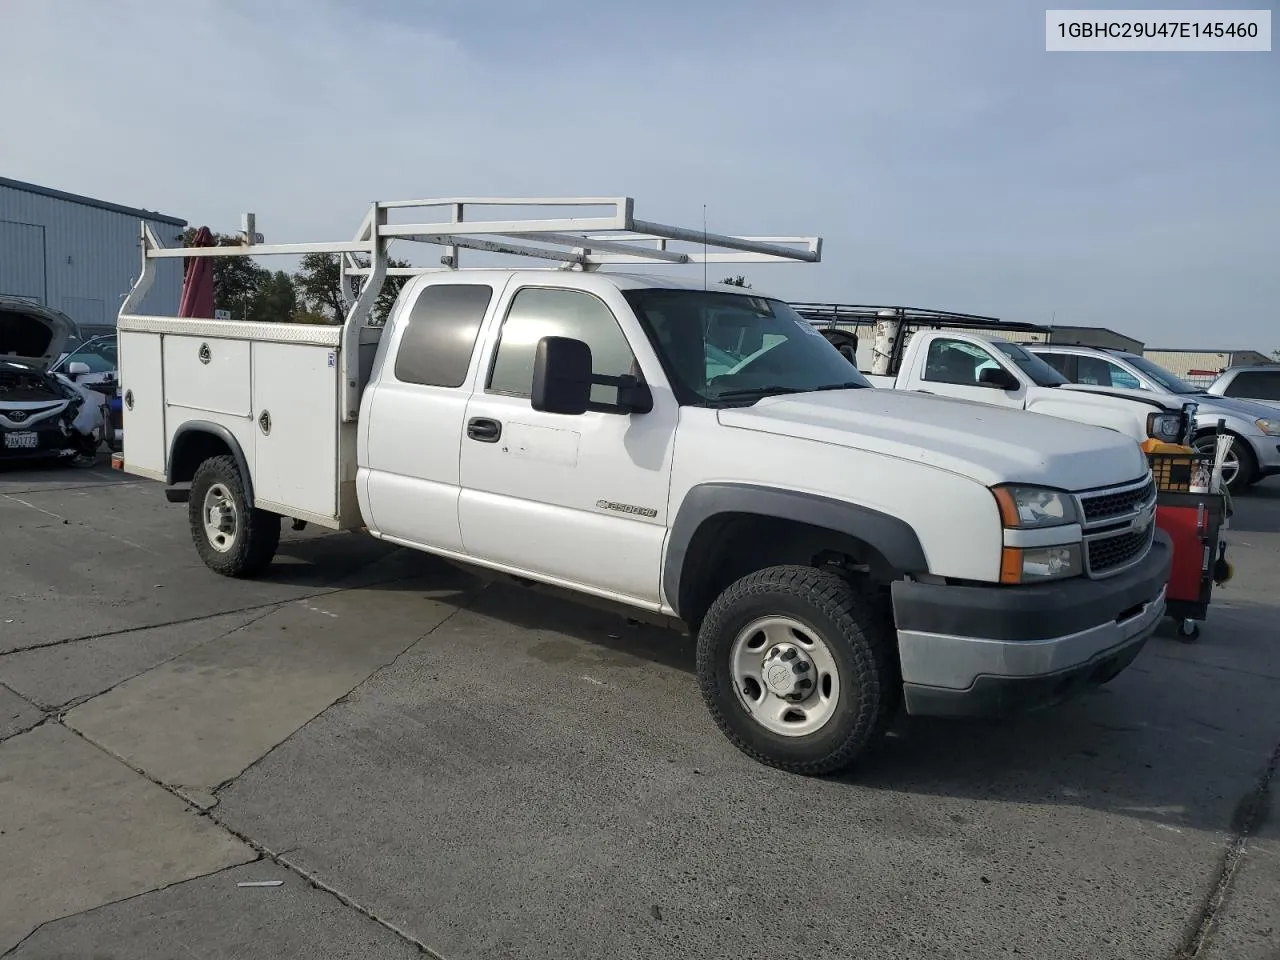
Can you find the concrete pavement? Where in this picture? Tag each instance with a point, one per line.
(430, 762)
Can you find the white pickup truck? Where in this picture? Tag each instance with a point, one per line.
(837, 551)
(959, 363)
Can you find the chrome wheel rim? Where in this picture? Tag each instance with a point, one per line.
(221, 519)
(1208, 446)
(785, 676)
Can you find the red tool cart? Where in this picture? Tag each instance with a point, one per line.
(1193, 507)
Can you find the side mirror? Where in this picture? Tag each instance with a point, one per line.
(77, 369)
(999, 378)
(561, 376)
(634, 395)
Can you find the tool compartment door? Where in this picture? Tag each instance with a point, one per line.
(142, 390)
(295, 429)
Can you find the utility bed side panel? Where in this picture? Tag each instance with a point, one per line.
(295, 403)
(314, 333)
(208, 374)
(142, 390)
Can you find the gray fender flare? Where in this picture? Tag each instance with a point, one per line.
(893, 538)
(223, 434)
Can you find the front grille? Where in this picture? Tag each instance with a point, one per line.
(1104, 505)
(1105, 554)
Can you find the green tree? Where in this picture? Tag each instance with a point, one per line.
(319, 287)
(275, 300)
(738, 281)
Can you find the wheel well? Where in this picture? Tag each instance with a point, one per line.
(191, 449)
(728, 546)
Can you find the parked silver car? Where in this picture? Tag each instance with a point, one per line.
(1254, 427)
(1259, 383)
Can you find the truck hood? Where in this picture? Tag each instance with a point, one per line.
(32, 334)
(990, 444)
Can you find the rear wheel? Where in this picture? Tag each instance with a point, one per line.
(795, 666)
(231, 538)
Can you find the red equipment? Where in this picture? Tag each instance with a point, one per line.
(1194, 521)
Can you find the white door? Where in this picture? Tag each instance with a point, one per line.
(580, 499)
(953, 368)
(414, 415)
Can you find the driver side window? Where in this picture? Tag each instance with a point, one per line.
(538, 312)
(956, 362)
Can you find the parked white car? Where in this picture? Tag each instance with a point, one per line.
(837, 551)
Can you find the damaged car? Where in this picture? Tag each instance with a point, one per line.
(43, 414)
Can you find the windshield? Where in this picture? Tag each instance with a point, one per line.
(1153, 371)
(98, 355)
(1040, 372)
(732, 348)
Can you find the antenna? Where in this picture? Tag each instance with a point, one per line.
(704, 246)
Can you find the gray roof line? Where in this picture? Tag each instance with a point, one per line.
(90, 202)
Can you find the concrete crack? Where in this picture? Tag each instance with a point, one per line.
(46, 713)
(261, 849)
(326, 592)
(86, 697)
(1247, 818)
(135, 896)
(342, 699)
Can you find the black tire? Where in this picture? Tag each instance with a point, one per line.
(257, 534)
(1247, 475)
(856, 628)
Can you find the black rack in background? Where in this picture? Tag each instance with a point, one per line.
(841, 315)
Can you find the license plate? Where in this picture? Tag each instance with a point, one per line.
(21, 441)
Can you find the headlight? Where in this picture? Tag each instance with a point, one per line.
(1270, 427)
(1166, 427)
(1023, 508)
(1032, 564)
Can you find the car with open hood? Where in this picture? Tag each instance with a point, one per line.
(44, 414)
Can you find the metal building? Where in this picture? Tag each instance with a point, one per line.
(80, 255)
(1201, 367)
(1095, 337)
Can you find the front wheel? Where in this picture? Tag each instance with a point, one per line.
(1239, 468)
(796, 667)
(231, 538)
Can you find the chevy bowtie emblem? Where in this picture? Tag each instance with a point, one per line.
(1141, 522)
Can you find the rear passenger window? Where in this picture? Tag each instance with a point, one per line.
(1256, 385)
(436, 346)
(538, 312)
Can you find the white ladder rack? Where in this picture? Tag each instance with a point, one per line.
(585, 240)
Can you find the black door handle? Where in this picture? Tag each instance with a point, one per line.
(484, 429)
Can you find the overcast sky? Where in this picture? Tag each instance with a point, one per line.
(947, 160)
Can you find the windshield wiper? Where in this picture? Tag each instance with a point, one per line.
(747, 392)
